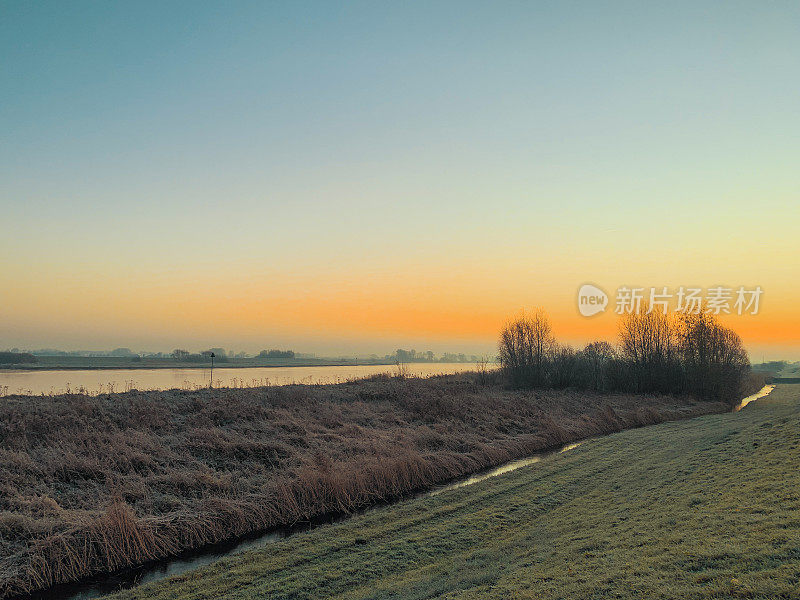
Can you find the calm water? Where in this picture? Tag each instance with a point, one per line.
(759, 394)
(120, 380)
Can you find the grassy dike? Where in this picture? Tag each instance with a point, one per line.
(701, 508)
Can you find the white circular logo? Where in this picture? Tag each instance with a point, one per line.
(591, 300)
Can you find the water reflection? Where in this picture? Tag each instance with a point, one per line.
(107, 381)
(760, 394)
(511, 466)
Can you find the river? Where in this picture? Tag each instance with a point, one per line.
(100, 381)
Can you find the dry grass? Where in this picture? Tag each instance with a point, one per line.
(95, 484)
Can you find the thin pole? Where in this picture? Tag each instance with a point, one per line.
(211, 384)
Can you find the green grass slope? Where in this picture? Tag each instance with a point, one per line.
(704, 508)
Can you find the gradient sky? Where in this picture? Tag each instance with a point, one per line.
(353, 178)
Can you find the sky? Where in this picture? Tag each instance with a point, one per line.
(349, 178)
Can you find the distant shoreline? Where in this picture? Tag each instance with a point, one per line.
(143, 366)
(181, 365)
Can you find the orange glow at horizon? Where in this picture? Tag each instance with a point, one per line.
(436, 307)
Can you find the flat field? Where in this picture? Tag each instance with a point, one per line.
(700, 508)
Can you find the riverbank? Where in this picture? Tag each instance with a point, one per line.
(702, 508)
(95, 484)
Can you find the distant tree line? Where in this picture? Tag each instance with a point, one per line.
(656, 353)
(200, 357)
(276, 354)
(221, 356)
(16, 358)
(117, 352)
(776, 366)
(407, 356)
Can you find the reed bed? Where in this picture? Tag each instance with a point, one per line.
(94, 484)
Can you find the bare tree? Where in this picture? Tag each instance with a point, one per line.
(594, 362)
(648, 343)
(562, 366)
(525, 345)
(713, 357)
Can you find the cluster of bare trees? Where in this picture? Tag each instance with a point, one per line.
(713, 359)
(527, 349)
(676, 354)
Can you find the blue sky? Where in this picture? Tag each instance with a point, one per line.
(144, 144)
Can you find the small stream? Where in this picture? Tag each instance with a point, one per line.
(107, 584)
(128, 578)
(759, 394)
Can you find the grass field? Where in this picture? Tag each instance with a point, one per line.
(93, 484)
(704, 508)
